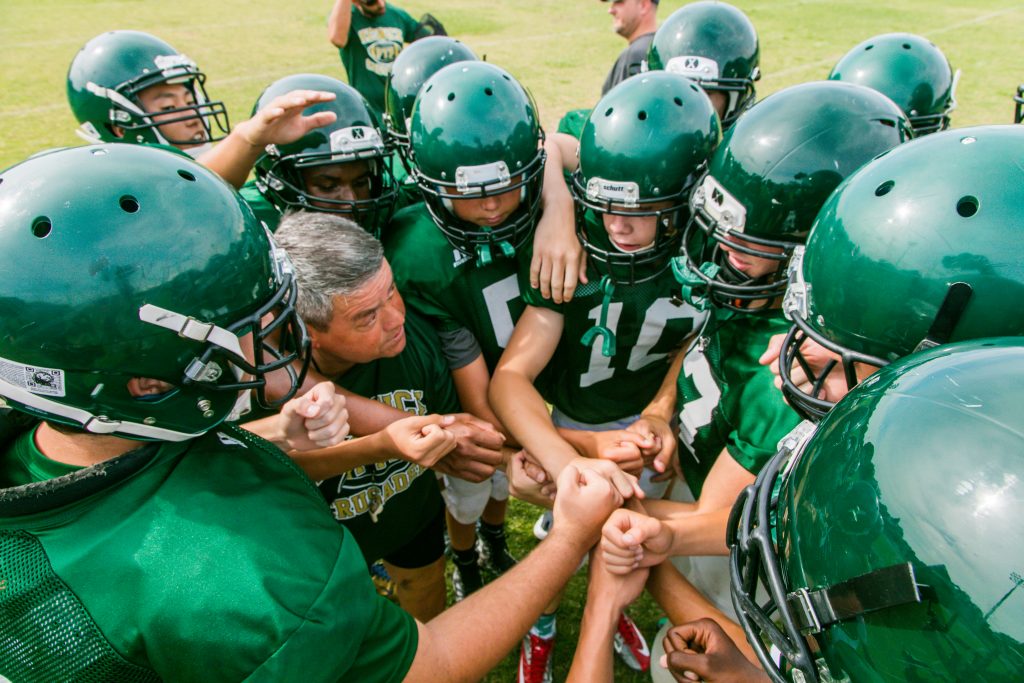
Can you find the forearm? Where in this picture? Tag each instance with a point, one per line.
(338, 23)
(663, 405)
(682, 603)
(518, 597)
(523, 412)
(366, 416)
(233, 157)
(593, 661)
(325, 463)
(700, 533)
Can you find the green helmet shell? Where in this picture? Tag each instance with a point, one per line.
(475, 132)
(909, 70)
(109, 72)
(355, 135)
(772, 173)
(121, 261)
(714, 44)
(901, 517)
(411, 69)
(923, 246)
(642, 149)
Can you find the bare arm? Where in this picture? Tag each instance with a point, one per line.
(517, 402)
(558, 262)
(489, 623)
(471, 384)
(339, 22)
(279, 122)
(607, 596)
(682, 603)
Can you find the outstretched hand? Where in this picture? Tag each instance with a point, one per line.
(282, 122)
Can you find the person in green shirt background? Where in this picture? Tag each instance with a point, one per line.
(369, 34)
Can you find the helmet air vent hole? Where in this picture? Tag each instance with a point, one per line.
(678, 101)
(642, 116)
(967, 206)
(488, 92)
(41, 227)
(429, 88)
(451, 96)
(505, 76)
(868, 48)
(693, 87)
(885, 188)
(608, 111)
(129, 204)
(906, 46)
(186, 175)
(99, 152)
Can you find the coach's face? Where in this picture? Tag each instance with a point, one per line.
(367, 325)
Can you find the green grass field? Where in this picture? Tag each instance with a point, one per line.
(560, 51)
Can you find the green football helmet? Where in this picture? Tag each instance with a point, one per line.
(122, 261)
(714, 44)
(643, 147)
(909, 70)
(109, 72)
(475, 133)
(885, 538)
(765, 183)
(411, 69)
(355, 135)
(1018, 112)
(923, 246)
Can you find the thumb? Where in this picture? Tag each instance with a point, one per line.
(772, 352)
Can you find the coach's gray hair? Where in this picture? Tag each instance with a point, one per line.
(332, 256)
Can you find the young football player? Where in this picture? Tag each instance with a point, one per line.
(931, 283)
(715, 45)
(764, 185)
(477, 158)
(342, 167)
(604, 352)
(909, 70)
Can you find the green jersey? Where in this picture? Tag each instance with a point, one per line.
(448, 288)
(373, 43)
(649, 323)
(726, 400)
(206, 560)
(260, 205)
(386, 505)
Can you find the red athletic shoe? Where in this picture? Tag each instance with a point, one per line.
(535, 659)
(631, 646)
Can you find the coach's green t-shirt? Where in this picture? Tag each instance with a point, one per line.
(448, 288)
(373, 44)
(386, 505)
(726, 400)
(207, 560)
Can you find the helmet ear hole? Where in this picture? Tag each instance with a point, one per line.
(129, 204)
(41, 227)
(885, 188)
(186, 175)
(967, 206)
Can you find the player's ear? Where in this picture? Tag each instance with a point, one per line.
(117, 130)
